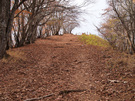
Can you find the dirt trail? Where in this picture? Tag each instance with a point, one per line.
(62, 63)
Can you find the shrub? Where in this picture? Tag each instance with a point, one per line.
(93, 40)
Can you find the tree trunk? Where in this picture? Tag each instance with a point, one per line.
(4, 17)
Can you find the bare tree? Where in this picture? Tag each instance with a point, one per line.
(23, 21)
(6, 22)
(120, 25)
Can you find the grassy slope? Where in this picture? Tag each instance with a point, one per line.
(93, 40)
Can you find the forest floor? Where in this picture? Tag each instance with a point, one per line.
(61, 68)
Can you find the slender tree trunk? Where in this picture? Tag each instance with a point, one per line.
(127, 31)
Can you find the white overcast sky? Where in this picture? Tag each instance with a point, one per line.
(93, 17)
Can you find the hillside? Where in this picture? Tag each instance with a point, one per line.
(61, 68)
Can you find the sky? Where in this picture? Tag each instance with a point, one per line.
(92, 17)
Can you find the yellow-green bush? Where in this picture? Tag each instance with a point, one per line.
(93, 40)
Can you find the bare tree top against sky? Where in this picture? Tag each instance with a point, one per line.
(93, 16)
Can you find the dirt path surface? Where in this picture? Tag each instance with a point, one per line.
(68, 70)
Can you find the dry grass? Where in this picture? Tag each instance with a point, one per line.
(122, 60)
(14, 56)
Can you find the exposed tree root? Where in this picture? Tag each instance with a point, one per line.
(60, 93)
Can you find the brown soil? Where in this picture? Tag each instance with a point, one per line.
(62, 66)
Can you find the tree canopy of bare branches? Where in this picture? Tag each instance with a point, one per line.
(119, 28)
(23, 21)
